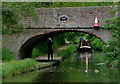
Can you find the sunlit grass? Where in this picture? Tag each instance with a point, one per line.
(16, 67)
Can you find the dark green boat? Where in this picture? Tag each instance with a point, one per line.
(85, 45)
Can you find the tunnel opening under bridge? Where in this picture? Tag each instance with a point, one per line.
(27, 48)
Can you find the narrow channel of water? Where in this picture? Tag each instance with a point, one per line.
(80, 67)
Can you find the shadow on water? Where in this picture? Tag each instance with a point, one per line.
(79, 67)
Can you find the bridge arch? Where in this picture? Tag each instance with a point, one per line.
(50, 17)
(26, 48)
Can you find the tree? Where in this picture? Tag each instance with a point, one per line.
(12, 12)
(113, 47)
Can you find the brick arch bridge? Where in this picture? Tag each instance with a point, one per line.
(23, 44)
(79, 19)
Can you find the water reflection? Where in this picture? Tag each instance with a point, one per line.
(86, 62)
(84, 58)
(73, 70)
(51, 75)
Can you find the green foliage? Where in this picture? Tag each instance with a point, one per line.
(21, 9)
(41, 48)
(115, 63)
(18, 66)
(35, 52)
(71, 4)
(113, 48)
(7, 55)
(114, 24)
(13, 12)
(10, 24)
(70, 49)
(72, 36)
(62, 53)
(114, 9)
(97, 44)
(58, 40)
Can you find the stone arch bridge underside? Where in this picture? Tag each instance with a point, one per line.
(23, 44)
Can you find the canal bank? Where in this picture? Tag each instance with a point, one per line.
(16, 67)
(73, 70)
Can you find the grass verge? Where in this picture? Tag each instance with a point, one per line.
(15, 67)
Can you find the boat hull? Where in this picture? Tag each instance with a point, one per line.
(85, 49)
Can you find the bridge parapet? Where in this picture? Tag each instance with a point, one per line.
(76, 16)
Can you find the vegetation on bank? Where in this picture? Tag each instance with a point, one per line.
(7, 55)
(112, 49)
(70, 49)
(15, 67)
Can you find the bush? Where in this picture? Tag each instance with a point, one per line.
(112, 54)
(115, 63)
(7, 55)
(70, 49)
(62, 53)
(97, 44)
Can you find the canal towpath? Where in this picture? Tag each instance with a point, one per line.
(44, 59)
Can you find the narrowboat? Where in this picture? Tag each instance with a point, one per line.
(85, 45)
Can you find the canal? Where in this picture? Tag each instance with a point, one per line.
(79, 67)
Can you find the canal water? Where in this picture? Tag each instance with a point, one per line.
(79, 67)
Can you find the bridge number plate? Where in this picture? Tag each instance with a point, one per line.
(64, 18)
